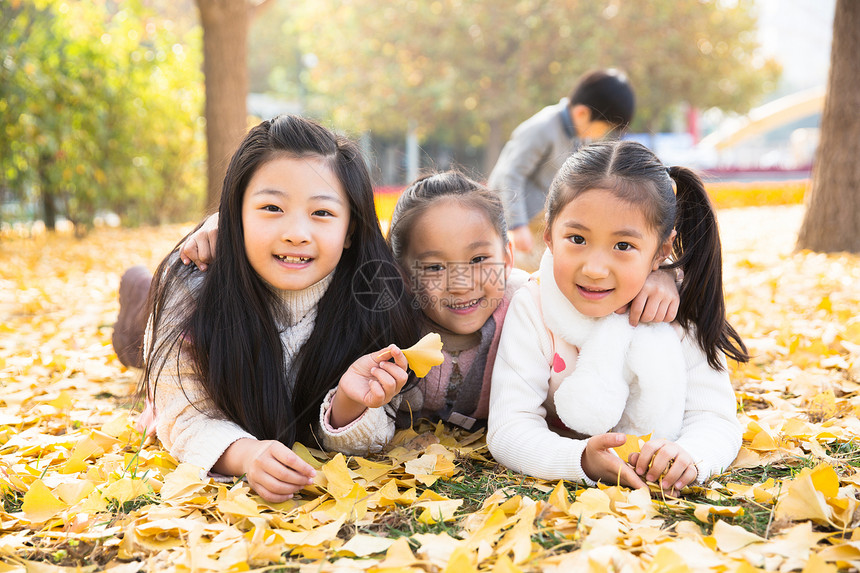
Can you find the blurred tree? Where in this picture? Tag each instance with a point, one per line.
(16, 24)
(274, 59)
(703, 53)
(99, 111)
(161, 80)
(181, 16)
(470, 69)
(832, 220)
(225, 68)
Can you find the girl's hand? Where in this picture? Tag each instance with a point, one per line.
(199, 248)
(659, 457)
(657, 301)
(274, 471)
(370, 382)
(602, 464)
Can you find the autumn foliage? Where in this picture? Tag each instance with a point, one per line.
(81, 488)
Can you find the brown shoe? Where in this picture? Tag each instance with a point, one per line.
(131, 323)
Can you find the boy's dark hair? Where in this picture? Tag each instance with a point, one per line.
(229, 329)
(635, 175)
(608, 95)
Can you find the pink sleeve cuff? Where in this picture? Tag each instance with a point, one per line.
(326, 417)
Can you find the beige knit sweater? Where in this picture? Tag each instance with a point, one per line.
(192, 429)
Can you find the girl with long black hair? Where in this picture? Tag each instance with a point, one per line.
(303, 298)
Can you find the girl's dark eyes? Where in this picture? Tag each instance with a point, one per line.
(478, 259)
(576, 239)
(622, 246)
(433, 268)
(276, 209)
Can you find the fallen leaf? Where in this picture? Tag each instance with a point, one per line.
(363, 545)
(126, 489)
(40, 504)
(425, 354)
(633, 444)
(398, 556)
(730, 538)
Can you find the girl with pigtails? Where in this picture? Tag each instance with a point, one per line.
(572, 377)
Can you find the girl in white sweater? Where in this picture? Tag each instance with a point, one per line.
(572, 377)
(295, 311)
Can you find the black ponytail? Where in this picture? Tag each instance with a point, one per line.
(698, 252)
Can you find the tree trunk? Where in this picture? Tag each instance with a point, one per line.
(832, 220)
(46, 192)
(49, 208)
(225, 67)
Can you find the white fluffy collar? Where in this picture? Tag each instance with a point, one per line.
(626, 378)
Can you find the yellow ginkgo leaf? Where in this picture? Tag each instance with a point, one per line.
(126, 489)
(74, 491)
(339, 480)
(40, 504)
(398, 556)
(362, 545)
(425, 354)
(63, 401)
(236, 504)
(633, 444)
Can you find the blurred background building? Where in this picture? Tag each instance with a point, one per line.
(778, 139)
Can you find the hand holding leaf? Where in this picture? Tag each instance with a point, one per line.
(632, 445)
(371, 382)
(600, 462)
(665, 463)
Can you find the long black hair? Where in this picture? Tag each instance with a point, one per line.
(229, 327)
(635, 175)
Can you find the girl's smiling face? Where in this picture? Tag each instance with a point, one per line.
(295, 216)
(458, 264)
(603, 249)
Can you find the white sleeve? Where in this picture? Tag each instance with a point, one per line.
(518, 436)
(186, 422)
(367, 433)
(711, 432)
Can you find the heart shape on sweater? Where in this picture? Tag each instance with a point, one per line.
(558, 364)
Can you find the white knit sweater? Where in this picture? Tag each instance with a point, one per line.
(188, 424)
(521, 400)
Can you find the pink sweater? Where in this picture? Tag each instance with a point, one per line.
(430, 393)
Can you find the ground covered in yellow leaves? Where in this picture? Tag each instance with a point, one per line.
(82, 491)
